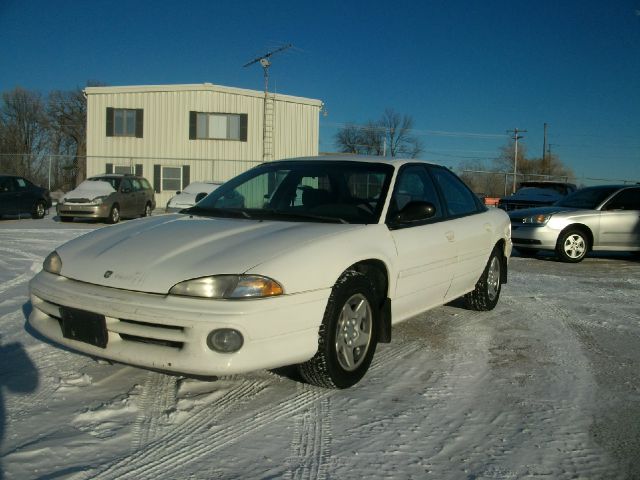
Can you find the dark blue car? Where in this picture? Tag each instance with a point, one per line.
(19, 196)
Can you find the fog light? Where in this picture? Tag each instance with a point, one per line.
(225, 340)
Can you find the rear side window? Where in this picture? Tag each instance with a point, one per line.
(458, 198)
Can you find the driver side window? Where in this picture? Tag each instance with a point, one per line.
(625, 200)
(414, 185)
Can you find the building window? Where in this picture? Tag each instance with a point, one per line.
(218, 126)
(121, 169)
(171, 178)
(124, 122)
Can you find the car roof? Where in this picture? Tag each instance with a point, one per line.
(358, 158)
(114, 175)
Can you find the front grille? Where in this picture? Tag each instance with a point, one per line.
(77, 212)
(152, 341)
(172, 336)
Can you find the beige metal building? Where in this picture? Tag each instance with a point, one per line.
(175, 134)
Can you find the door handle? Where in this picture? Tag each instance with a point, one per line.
(450, 236)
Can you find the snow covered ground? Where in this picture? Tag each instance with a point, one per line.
(545, 386)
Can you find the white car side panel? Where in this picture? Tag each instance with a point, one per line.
(425, 266)
(320, 264)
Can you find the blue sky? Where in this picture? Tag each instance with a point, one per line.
(464, 67)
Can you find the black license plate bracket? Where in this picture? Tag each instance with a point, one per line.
(83, 326)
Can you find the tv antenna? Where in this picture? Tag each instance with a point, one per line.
(265, 62)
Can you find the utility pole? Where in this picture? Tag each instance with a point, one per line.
(515, 137)
(544, 150)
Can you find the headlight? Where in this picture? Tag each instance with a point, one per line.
(52, 263)
(539, 219)
(99, 200)
(228, 286)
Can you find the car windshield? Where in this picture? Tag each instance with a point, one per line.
(113, 181)
(198, 187)
(303, 191)
(589, 198)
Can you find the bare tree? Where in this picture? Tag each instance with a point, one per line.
(23, 132)
(398, 129)
(67, 114)
(391, 135)
(348, 139)
(552, 166)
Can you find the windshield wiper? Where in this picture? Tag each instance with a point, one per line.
(216, 212)
(300, 216)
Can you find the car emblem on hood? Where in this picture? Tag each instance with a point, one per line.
(108, 273)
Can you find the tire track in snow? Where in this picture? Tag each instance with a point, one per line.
(157, 398)
(311, 443)
(178, 437)
(202, 434)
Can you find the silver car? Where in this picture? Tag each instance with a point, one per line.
(599, 218)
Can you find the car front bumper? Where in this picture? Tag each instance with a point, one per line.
(535, 237)
(166, 332)
(83, 210)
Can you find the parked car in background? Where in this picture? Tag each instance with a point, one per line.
(593, 218)
(108, 197)
(192, 194)
(536, 194)
(19, 196)
(305, 261)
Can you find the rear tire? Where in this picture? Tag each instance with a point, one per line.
(39, 209)
(487, 292)
(348, 334)
(147, 210)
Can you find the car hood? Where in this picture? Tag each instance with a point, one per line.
(152, 255)
(552, 209)
(90, 189)
(534, 195)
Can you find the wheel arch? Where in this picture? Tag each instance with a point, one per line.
(377, 272)
(501, 245)
(584, 229)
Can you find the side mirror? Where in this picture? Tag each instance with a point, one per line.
(126, 190)
(200, 196)
(416, 211)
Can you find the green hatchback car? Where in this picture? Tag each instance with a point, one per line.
(109, 197)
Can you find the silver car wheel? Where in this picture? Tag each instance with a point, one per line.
(353, 332)
(574, 246)
(493, 278)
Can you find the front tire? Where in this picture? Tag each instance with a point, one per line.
(114, 215)
(348, 334)
(487, 291)
(572, 246)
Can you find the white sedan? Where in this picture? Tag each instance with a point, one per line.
(305, 261)
(192, 194)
